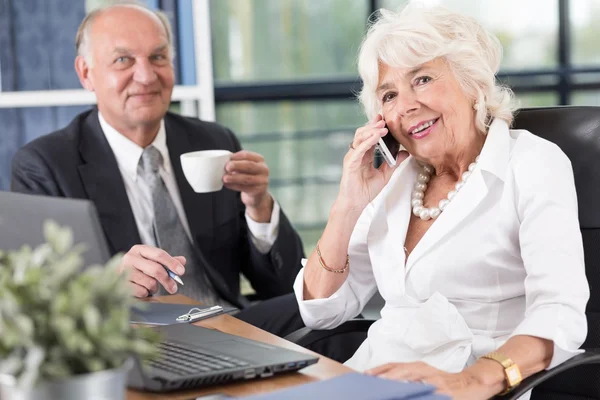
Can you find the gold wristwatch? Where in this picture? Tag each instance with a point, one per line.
(512, 373)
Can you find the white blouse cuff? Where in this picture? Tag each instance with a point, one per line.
(321, 313)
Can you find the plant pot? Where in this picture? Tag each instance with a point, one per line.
(102, 385)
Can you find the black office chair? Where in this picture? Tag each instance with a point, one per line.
(576, 130)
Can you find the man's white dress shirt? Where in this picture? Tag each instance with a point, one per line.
(128, 155)
(505, 258)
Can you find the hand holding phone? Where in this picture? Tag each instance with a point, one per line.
(362, 177)
(388, 147)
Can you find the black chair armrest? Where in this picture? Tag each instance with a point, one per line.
(591, 356)
(306, 336)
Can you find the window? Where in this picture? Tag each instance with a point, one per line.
(537, 99)
(587, 98)
(303, 143)
(584, 17)
(294, 53)
(528, 42)
(265, 40)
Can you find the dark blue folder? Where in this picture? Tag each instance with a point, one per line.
(355, 386)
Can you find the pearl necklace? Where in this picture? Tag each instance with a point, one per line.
(418, 194)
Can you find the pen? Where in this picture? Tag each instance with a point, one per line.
(173, 276)
(206, 312)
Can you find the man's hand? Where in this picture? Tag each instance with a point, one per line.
(248, 173)
(145, 267)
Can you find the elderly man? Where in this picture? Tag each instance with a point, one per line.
(124, 156)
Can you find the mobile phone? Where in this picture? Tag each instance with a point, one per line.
(388, 147)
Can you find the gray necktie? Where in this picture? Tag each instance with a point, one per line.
(170, 234)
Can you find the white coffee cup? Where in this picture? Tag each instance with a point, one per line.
(204, 169)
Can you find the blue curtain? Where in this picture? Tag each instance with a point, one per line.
(36, 53)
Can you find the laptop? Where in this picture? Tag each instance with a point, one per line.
(189, 356)
(22, 218)
(192, 356)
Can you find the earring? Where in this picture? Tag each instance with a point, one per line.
(475, 105)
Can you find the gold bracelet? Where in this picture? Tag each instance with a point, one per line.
(337, 271)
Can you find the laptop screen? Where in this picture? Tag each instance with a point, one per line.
(22, 218)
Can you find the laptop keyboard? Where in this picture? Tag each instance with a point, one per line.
(181, 360)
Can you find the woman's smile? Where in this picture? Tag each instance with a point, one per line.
(423, 129)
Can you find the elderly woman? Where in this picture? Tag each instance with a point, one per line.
(472, 238)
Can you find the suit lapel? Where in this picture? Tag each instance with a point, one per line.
(104, 185)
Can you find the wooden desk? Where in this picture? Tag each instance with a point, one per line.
(324, 369)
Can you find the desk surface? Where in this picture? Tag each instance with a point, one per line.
(324, 369)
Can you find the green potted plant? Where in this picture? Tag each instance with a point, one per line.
(64, 330)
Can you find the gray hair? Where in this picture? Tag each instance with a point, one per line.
(82, 38)
(417, 34)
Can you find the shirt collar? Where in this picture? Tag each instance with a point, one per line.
(495, 152)
(128, 153)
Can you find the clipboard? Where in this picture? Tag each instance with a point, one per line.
(153, 313)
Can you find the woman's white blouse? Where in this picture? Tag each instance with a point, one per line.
(505, 258)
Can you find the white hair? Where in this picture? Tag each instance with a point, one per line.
(82, 39)
(417, 34)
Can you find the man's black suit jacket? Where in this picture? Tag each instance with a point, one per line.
(77, 162)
